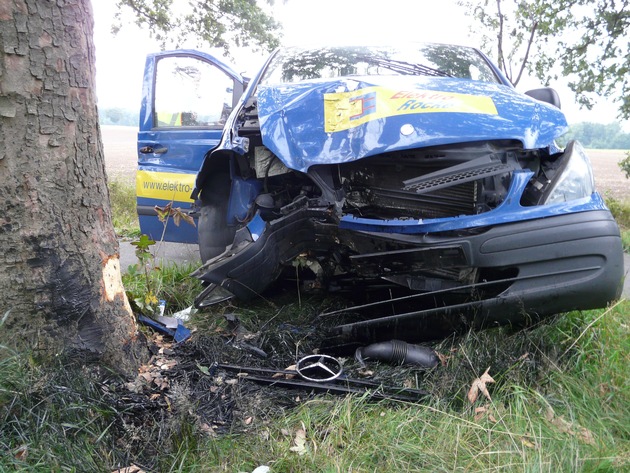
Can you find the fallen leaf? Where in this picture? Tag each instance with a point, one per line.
(130, 469)
(484, 411)
(286, 375)
(443, 358)
(209, 431)
(168, 365)
(570, 428)
(549, 414)
(523, 357)
(299, 442)
(479, 413)
(527, 443)
(21, 453)
(586, 436)
(479, 386)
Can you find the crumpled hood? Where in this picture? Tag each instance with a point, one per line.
(342, 120)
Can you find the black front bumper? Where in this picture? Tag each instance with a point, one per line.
(560, 263)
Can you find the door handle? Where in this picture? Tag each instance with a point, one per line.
(152, 150)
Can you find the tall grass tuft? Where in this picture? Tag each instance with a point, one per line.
(621, 212)
(122, 196)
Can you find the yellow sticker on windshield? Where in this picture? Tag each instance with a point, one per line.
(346, 110)
(165, 185)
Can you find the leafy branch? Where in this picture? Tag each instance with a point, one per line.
(210, 23)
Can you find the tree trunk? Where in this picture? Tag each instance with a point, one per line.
(59, 268)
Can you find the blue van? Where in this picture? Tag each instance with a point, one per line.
(412, 172)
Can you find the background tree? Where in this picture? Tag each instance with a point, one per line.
(211, 23)
(585, 41)
(505, 34)
(60, 280)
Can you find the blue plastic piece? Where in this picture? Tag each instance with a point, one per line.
(256, 227)
(242, 196)
(180, 334)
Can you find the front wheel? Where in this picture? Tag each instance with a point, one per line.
(213, 231)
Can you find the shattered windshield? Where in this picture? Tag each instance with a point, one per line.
(438, 60)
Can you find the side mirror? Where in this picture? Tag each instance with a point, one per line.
(545, 94)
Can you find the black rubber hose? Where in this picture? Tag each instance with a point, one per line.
(397, 351)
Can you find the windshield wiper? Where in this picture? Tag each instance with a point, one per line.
(403, 67)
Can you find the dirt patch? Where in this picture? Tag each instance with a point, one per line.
(119, 144)
(609, 178)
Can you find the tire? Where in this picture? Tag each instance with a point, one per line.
(214, 234)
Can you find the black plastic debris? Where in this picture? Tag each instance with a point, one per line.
(397, 351)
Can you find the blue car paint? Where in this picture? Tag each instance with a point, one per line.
(292, 118)
(242, 194)
(256, 227)
(292, 127)
(292, 121)
(184, 148)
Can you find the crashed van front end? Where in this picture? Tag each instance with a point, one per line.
(435, 193)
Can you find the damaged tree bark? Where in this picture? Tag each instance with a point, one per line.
(60, 275)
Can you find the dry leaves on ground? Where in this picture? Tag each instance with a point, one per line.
(479, 386)
(299, 441)
(483, 411)
(570, 428)
(130, 469)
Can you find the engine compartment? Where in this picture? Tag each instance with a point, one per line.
(419, 183)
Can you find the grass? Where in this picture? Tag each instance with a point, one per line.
(171, 283)
(122, 196)
(561, 402)
(621, 211)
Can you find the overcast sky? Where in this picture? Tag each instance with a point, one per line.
(120, 58)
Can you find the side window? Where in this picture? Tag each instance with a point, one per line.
(191, 92)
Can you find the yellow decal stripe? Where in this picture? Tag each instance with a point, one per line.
(165, 185)
(346, 110)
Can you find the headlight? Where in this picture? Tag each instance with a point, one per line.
(574, 179)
